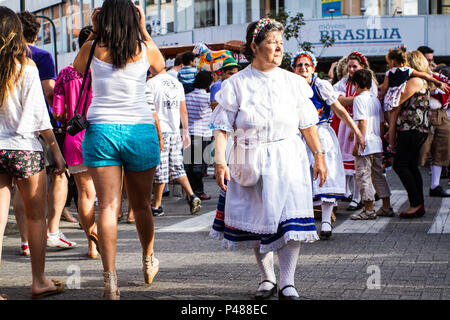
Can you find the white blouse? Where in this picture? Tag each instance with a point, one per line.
(328, 93)
(341, 87)
(272, 105)
(23, 114)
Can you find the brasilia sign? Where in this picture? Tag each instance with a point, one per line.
(372, 36)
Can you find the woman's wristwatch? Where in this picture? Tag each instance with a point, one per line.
(318, 151)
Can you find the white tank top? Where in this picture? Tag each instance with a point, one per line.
(118, 95)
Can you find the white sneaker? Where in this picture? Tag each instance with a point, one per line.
(60, 241)
(24, 250)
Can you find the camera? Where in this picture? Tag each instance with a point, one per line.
(77, 124)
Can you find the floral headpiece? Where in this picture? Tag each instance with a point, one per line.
(360, 55)
(304, 53)
(260, 25)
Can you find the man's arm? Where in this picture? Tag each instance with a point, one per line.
(48, 86)
(184, 125)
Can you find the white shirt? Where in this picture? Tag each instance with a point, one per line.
(168, 93)
(118, 95)
(173, 73)
(367, 107)
(23, 114)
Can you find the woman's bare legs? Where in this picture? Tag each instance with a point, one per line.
(107, 182)
(139, 187)
(19, 212)
(34, 195)
(86, 207)
(5, 196)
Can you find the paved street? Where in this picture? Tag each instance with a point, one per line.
(389, 258)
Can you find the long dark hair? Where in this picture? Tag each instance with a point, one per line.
(13, 50)
(118, 29)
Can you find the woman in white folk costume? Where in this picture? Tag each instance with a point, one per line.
(268, 196)
(346, 89)
(325, 99)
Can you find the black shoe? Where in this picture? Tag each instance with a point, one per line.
(326, 235)
(353, 206)
(377, 197)
(347, 199)
(281, 296)
(194, 204)
(266, 294)
(166, 194)
(439, 192)
(158, 212)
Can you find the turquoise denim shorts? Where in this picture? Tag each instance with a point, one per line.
(133, 146)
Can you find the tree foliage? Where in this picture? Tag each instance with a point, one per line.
(292, 30)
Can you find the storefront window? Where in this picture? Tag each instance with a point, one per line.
(152, 16)
(167, 16)
(204, 13)
(87, 12)
(39, 41)
(185, 15)
(57, 21)
(99, 3)
(76, 24)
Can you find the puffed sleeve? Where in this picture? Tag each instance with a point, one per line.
(328, 93)
(34, 117)
(58, 94)
(341, 86)
(374, 88)
(307, 112)
(224, 115)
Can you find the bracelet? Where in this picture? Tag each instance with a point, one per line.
(318, 151)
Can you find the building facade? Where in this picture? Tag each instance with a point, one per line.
(368, 25)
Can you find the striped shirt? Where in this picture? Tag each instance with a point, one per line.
(186, 76)
(199, 113)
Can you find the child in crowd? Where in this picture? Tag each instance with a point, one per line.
(187, 73)
(368, 113)
(395, 81)
(399, 72)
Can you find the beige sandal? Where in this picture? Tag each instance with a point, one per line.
(110, 291)
(150, 267)
(3, 296)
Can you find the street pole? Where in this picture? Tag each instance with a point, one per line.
(22, 5)
(55, 48)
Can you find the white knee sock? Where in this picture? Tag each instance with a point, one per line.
(356, 193)
(327, 209)
(348, 191)
(266, 269)
(287, 257)
(435, 176)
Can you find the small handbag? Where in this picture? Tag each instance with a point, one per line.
(79, 122)
(244, 164)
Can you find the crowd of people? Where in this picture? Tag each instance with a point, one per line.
(281, 141)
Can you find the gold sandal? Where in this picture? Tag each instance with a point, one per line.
(110, 291)
(150, 267)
